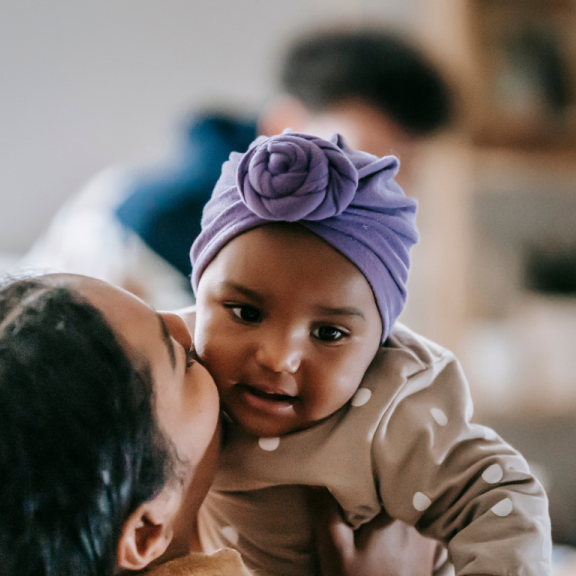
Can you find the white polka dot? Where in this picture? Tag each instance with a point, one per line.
(493, 474)
(230, 533)
(106, 477)
(489, 434)
(361, 397)
(546, 549)
(421, 501)
(439, 416)
(269, 444)
(503, 508)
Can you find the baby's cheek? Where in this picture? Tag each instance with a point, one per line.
(209, 356)
(331, 393)
(207, 337)
(348, 383)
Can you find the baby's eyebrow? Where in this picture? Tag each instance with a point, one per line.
(345, 311)
(242, 289)
(167, 340)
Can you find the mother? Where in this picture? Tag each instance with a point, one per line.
(109, 438)
(109, 430)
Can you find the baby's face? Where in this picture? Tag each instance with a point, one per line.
(287, 326)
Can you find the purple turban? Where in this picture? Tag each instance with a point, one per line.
(347, 197)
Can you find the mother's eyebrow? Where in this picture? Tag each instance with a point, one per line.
(167, 340)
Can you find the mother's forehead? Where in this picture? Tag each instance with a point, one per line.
(99, 293)
(133, 321)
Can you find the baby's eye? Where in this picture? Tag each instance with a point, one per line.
(328, 333)
(246, 313)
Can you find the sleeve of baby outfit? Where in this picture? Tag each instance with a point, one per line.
(459, 482)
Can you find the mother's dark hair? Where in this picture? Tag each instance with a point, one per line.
(80, 447)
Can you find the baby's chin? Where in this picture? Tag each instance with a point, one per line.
(266, 426)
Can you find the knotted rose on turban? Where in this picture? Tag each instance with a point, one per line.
(292, 177)
(346, 197)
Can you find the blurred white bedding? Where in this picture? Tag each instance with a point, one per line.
(85, 238)
(7, 261)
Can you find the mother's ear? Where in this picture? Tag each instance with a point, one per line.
(148, 531)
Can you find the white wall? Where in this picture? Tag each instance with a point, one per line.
(87, 83)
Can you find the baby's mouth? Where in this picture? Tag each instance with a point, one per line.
(265, 400)
(269, 395)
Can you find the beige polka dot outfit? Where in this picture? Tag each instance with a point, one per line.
(221, 563)
(405, 444)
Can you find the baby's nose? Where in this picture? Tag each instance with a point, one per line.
(280, 354)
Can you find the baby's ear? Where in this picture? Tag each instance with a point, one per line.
(147, 534)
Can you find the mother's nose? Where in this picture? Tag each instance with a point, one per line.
(177, 329)
(280, 352)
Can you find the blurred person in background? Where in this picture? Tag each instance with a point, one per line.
(135, 229)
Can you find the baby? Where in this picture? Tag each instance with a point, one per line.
(300, 274)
